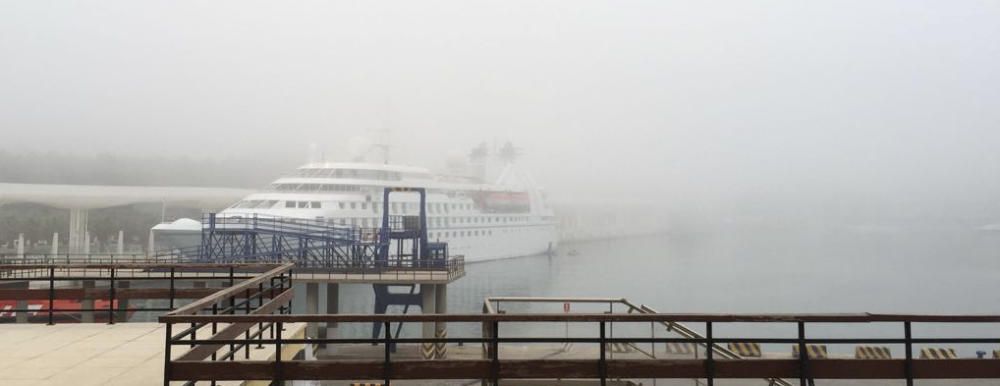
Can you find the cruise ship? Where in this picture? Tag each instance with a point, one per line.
(480, 220)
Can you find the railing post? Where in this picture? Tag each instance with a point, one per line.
(387, 365)
(111, 298)
(602, 364)
(495, 353)
(173, 290)
(215, 326)
(279, 377)
(166, 355)
(52, 293)
(908, 369)
(803, 355)
(709, 355)
(246, 335)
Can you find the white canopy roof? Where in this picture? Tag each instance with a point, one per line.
(103, 196)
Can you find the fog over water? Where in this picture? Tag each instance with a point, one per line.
(826, 108)
(780, 123)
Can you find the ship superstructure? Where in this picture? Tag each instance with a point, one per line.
(506, 218)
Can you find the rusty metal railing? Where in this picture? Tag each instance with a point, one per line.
(495, 367)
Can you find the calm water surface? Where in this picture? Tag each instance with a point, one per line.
(937, 270)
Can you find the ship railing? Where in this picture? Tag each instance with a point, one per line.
(261, 222)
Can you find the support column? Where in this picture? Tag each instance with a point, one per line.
(312, 306)
(121, 242)
(77, 229)
(22, 317)
(20, 245)
(329, 330)
(427, 306)
(86, 243)
(152, 244)
(55, 244)
(87, 303)
(440, 328)
(122, 303)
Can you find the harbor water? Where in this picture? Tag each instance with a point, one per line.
(899, 269)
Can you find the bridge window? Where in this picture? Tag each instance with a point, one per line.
(315, 204)
(354, 205)
(289, 204)
(303, 204)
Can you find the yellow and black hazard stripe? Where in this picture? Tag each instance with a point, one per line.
(618, 348)
(365, 384)
(405, 189)
(938, 353)
(746, 349)
(680, 348)
(813, 351)
(996, 354)
(427, 350)
(440, 350)
(872, 352)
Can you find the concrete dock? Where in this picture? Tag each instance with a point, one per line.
(87, 354)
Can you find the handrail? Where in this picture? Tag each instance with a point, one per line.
(595, 317)
(196, 306)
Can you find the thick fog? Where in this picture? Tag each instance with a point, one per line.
(725, 108)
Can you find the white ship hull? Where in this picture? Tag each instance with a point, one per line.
(478, 221)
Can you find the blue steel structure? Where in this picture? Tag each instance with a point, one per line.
(401, 241)
(314, 245)
(422, 253)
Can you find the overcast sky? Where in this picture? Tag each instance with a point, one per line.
(813, 100)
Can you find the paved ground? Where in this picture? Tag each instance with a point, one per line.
(87, 354)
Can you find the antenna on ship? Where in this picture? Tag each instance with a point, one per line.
(382, 143)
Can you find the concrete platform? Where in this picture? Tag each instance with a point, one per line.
(93, 354)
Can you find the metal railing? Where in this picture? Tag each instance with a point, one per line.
(493, 367)
(272, 292)
(107, 293)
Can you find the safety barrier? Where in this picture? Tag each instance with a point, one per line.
(872, 352)
(815, 351)
(746, 349)
(680, 348)
(493, 366)
(938, 353)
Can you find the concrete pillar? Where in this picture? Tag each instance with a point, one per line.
(20, 245)
(441, 328)
(329, 330)
(22, 317)
(121, 242)
(86, 242)
(55, 244)
(152, 244)
(428, 298)
(312, 306)
(87, 303)
(77, 229)
(122, 315)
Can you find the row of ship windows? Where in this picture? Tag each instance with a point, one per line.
(359, 173)
(375, 207)
(472, 233)
(432, 222)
